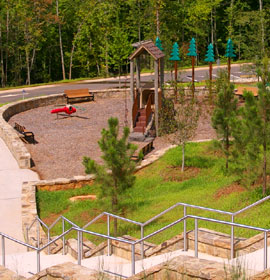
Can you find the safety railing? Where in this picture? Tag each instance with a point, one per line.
(81, 231)
(143, 225)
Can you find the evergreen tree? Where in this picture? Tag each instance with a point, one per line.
(175, 53)
(192, 52)
(116, 175)
(158, 44)
(246, 152)
(224, 113)
(210, 58)
(229, 54)
(210, 54)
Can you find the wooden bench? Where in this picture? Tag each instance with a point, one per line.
(144, 147)
(28, 135)
(82, 93)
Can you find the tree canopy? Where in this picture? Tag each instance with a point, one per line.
(45, 40)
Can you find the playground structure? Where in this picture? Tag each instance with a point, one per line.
(142, 98)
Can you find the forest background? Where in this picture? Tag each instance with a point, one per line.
(51, 40)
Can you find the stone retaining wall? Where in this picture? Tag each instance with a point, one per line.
(10, 136)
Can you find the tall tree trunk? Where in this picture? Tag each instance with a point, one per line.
(73, 49)
(157, 17)
(227, 148)
(114, 208)
(212, 28)
(231, 19)
(28, 68)
(262, 26)
(215, 32)
(7, 50)
(264, 166)
(2, 58)
(60, 41)
(139, 20)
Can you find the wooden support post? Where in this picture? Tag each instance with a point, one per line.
(229, 69)
(138, 79)
(193, 76)
(175, 80)
(131, 91)
(156, 96)
(210, 78)
(161, 72)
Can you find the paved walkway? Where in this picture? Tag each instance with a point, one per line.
(11, 178)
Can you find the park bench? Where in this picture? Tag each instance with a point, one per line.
(28, 135)
(82, 94)
(144, 147)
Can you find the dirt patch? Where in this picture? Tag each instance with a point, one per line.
(52, 217)
(228, 190)
(175, 174)
(83, 197)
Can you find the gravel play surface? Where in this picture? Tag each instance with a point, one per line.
(64, 141)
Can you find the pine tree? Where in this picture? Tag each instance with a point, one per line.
(224, 113)
(116, 175)
(175, 57)
(175, 53)
(158, 44)
(210, 54)
(246, 150)
(210, 59)
(229, 54)
(192, 52)
(229, 49)
(192, 48)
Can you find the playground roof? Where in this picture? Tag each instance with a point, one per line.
(150, 48)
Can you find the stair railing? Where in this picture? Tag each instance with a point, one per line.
(135, 108)
(148, 109)
(80, 231)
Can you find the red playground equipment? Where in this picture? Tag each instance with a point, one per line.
(68, 109)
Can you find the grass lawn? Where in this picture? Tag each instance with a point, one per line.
(160, 186)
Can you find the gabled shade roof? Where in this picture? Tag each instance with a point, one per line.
(150, 48)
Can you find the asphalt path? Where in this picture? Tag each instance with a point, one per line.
(238, 71)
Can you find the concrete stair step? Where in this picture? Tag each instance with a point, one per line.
(25, 264)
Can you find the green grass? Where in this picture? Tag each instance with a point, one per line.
(160, 186)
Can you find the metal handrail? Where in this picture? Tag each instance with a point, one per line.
(142, 225)
(80, 231)
(251, 205)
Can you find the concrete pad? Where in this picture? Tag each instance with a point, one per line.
(25, 264)
(11, 179)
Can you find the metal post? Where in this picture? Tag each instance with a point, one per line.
(63, 230)
(232, 239)
(133, 259)
(196, 238)
(3, 252)
(185, 229)
(38, 261)
(108, 233)
(38, 235)
(49, 249)
(79, 248)
(265, 250)
(142, 243)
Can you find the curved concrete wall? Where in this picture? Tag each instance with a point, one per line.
(10, 136)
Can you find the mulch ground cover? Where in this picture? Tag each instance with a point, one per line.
(64, 141)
